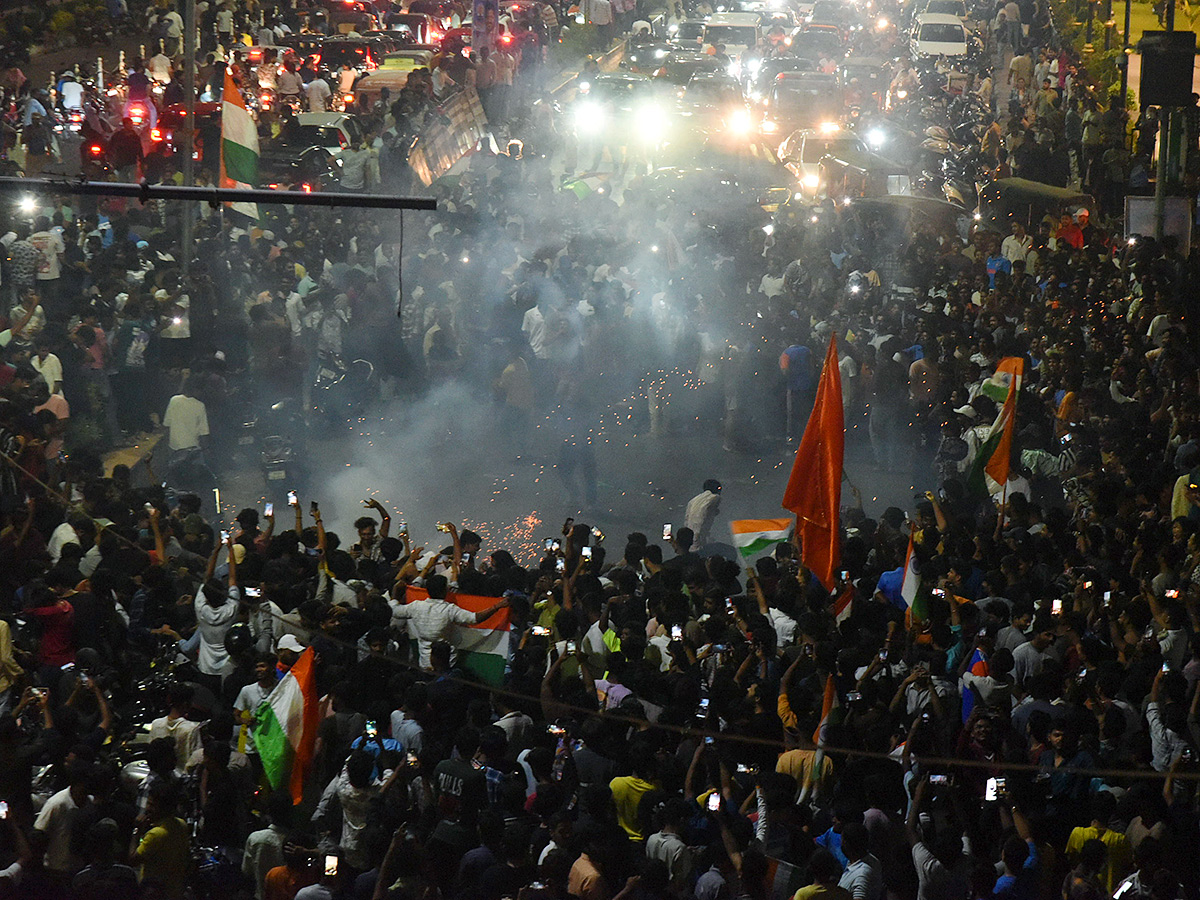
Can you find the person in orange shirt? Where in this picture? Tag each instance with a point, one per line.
(298, 871)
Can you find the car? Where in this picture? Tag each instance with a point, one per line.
(688, 33)
(938, 35)
(838, 13)
(167, 131)
(713, 102)
(760, 74)
(737, 31)
(331, 130)
(646, 56)
(362, 54)
(945, 8)
(804, 149)
(815, 45)
(625, 108)
(864, 81)
(422, 26)
(801, 100)
(680, 65)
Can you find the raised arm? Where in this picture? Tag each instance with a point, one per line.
(914, 812)
(385, 521)
(160, 546)
(233, 562)
(752, 581)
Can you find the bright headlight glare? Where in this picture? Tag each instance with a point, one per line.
(876, 137)
(739, 121)
(754, 65)
(589, 117)
(660, 53)
(811, 181)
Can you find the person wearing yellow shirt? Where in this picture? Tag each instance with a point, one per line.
(628, 790)
(1120, 854)
(162, 853)
(825, 870)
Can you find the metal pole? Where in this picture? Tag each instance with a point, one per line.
(1087, 47)
(189, 129)
(1170, 15)
(144, 192)
(1125, 55)
(1160, 177)
(1108, 25)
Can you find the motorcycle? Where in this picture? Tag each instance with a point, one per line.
(280, 434)
(341, 390)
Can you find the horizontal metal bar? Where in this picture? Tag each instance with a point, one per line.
(145, 192)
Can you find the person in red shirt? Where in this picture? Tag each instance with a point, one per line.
(1069, 232)
(57, 619)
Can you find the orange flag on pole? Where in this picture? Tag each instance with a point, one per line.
(814, 489)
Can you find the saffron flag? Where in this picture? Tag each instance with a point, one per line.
(285, 727)
(814, 489)
(979, 666)
(828, 704)
(993, 457)
(481, 648)
(239, 145)
(753, 536)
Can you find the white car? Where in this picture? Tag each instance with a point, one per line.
(804, 149)
(935, 34)
(946, 8)
(331, 130)
(737, 31)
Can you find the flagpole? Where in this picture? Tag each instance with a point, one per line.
(1003, 509)
(189, 132)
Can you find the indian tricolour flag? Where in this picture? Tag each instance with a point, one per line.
(753, 536)
(285, 727)
(239, 145)
(481, 648)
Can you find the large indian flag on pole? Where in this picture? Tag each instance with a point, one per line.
(482, 648)
(239, 145)
(753, 536)
(285, 727)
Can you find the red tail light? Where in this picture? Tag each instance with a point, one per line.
(156, 134)
(95, 150)
(307, 188)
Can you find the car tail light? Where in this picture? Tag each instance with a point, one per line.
(348, 98)
(273, 187)
(307, 188)
(95, 150)
(156, 134)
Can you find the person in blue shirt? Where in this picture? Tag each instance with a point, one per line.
(1019, 856)
(797, 367)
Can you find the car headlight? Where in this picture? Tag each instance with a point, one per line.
(829, 127)
(770, 127)
(876, 137)
(651, 123)
(660, 53)
(753, 66)
(811, 181)
(881, 24)
(584, 87)
(735, 68)
(740, 122)
(589, 118)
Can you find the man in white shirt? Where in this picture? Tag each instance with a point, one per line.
(56, 820)
(317, 95)
(863, 876)
(176, 726)
(215, 609)
(1017, 244)
(533, 326)
(47, 365)
(186, 420)
(50, 247)
(264, 848)
(434, 619)
(250, 698)
(1031, 656)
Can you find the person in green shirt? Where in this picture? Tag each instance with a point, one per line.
(161, 843)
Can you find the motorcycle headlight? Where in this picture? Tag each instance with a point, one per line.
(660, 53)
(735, 68)
(811, 181)
(753, 66)
(589, 118)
